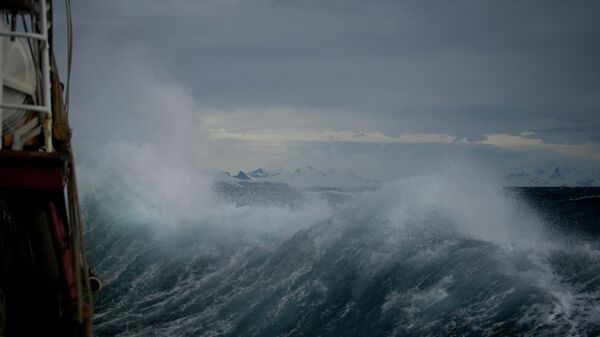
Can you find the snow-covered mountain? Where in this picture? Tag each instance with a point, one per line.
(554, 175)
(262, 173)
(306, 176)
(242, 176)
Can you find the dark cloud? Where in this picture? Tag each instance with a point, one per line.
(465, 68)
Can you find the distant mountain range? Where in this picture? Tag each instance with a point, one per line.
(309, 176)
(554, 175)
(306, 176)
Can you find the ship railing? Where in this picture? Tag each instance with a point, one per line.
(34, 127)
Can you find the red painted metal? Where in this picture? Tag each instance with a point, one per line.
(64, 254)
(32, 170)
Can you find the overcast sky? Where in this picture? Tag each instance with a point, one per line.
(371, 85)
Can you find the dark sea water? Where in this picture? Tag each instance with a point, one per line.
(424, 256)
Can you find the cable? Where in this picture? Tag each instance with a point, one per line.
(69, 52)
(26, 29)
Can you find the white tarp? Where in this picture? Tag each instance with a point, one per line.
(19, 78)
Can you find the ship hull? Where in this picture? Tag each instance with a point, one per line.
(37, 259)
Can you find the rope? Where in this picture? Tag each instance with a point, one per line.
(69, 52)
(84, 265)
(81, 264)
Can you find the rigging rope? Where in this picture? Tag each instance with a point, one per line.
(69, 52)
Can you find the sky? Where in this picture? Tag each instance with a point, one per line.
(387, 88)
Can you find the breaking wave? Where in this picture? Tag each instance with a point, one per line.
(445, 255)
(430, 255)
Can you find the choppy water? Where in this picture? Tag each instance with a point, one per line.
(425, 256)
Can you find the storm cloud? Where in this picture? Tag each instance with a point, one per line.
(473, 72)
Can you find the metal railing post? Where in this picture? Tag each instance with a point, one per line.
(45, 108)
(46, 84)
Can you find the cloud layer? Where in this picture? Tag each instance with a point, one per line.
(272, 81)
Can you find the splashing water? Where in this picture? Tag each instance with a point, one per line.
(443, 255)
(428, 255)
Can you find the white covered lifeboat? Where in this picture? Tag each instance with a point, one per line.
(19, 80)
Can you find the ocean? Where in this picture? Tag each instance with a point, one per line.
(422, 256)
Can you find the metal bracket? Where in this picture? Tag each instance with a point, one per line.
(25, 133)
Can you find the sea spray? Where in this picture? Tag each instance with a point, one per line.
(426, 255)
